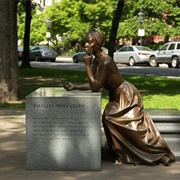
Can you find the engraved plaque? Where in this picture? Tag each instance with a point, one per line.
(63, 130)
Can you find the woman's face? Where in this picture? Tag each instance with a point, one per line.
(90, 45)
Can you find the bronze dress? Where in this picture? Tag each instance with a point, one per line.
(130, 131)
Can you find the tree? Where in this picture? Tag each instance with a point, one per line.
(114, 27)
(25, 10)
(25, 60)
(8, 55)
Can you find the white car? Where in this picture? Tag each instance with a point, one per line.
(169, 54)
(132, 55)
(79, 56)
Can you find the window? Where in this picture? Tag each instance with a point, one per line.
(178, 46)
(34, 48)
(171, 47)
(123, 49)
(164, 47)
(131, 49)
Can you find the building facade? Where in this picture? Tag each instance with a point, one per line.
(44, 3)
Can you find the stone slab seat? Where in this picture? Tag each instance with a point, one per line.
(168, 123)
(167, 115)
(166, 120)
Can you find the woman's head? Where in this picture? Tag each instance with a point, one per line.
(94, 40)
(98, 36)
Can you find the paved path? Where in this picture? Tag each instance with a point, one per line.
(13, 159)
(63, 62)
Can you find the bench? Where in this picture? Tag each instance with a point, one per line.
(168, 123)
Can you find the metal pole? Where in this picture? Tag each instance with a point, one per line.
(48, 26)
(140, 36)
(141, 19)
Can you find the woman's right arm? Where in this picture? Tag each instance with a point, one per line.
(69, 86)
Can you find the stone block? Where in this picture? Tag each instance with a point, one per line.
(63, 130)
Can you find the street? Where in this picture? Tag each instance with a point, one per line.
(67, 63)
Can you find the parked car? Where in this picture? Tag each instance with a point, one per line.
(39, 53)
(169, 54)
(132, 55)
(79, 56)
(20, 53)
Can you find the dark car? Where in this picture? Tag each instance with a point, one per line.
(169, 54)
(39, 53)
(20, 53)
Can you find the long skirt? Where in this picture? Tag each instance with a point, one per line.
(130, 131)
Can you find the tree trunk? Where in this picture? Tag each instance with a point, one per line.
(8, 55)
(166, 39)
(25, 60)
(114, 27)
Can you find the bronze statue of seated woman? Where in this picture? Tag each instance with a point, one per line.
(130, 132)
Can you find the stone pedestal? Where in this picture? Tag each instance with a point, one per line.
(63, 130)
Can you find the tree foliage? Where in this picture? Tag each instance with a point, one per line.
(75, 17)
(71, 17)
(162, 17)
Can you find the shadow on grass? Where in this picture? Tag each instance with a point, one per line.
(34, 78)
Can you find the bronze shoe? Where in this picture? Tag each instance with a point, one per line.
(165, 160)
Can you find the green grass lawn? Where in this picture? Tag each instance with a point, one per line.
(157, 92)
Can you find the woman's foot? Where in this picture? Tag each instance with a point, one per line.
(165, 160)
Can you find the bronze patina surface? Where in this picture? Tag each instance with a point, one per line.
(130, 132)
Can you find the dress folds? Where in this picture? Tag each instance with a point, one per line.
(130, 131)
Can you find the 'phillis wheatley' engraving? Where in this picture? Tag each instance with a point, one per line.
(59, 105)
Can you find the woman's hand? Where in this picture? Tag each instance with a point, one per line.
(68, 86)
(88, 59)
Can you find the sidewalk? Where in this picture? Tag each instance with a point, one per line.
(13, 159)
(64, 59)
